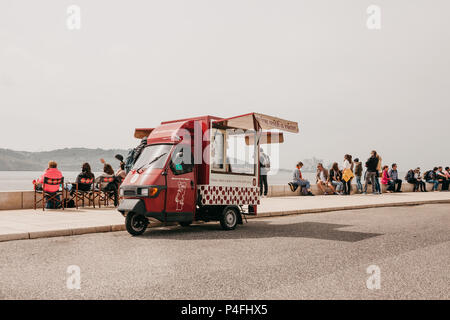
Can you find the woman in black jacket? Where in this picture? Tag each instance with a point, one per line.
(85, 179)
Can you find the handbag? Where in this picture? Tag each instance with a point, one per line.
(347, 175)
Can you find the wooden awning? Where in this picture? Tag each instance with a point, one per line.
(265, 122)
(265, 138)
(141, 133)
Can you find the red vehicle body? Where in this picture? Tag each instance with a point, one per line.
(187, 171)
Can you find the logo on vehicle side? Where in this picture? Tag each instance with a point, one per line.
(179, 198)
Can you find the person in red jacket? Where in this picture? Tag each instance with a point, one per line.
(386, 179)
(52, 172)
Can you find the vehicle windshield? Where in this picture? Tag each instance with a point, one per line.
(153, 157)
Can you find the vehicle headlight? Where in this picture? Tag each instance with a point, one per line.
(149, 192)
(152, 191)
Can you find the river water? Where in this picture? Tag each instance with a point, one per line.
(22, 180)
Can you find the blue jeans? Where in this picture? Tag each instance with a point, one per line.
(302, 183)
(338, 184)
(53, 204)
(435, 184)
(359, 184)
(377, 185)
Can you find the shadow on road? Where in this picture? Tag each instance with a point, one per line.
(258, 230)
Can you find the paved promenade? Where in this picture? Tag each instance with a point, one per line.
(31, 224)
(311, 256)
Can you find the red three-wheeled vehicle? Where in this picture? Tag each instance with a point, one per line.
(199, 169)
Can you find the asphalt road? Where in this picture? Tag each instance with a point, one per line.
(311, 256)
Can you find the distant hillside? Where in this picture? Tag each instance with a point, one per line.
(69, 159)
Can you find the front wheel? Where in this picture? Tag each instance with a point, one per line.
(229, 219)
(185, 223)
(136, 224)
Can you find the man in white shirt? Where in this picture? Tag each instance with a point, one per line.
(264, 168)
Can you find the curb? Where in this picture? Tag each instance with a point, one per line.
(121, 227)
(355, 207)
(60, 232)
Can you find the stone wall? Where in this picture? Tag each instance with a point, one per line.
(12, 200)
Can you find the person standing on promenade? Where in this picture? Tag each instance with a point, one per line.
(322, 179)
(298, 180)
(358, 174)
(335, 178)
(347, 174)
(371, 175)
(264, 168)
(377, 178)
(393, 173)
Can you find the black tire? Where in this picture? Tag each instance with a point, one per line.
(229, 218)
(185, 223)
(136, 224)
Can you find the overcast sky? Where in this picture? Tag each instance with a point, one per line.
(137, 63)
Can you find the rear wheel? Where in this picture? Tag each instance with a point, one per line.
(185, 223)
(136, 224)
(229, 219)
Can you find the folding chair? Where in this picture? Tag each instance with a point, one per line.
(78, 195)
(49, 196)
(104, 195)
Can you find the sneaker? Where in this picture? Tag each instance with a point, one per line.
(325, 193)
(291, 185)
(310, 194)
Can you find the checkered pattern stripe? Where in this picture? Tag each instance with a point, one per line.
(221, 195)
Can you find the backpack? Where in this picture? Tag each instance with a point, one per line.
(409, 175)
(428, 175)
(69, 203)
(304, 191)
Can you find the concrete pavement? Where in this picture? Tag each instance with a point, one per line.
(323, 256)
(31, 224)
